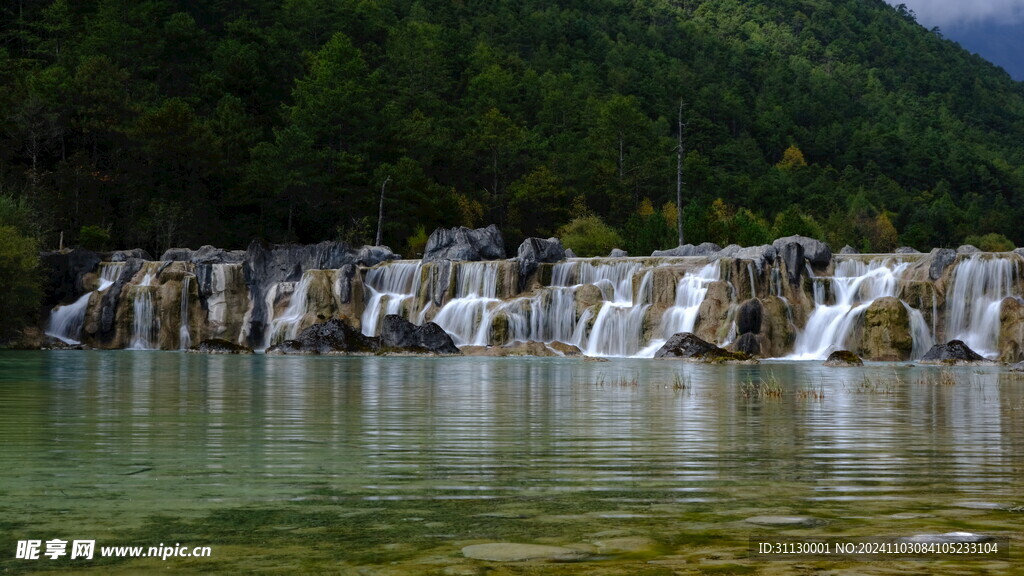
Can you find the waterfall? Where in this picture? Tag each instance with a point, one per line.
(468, 317)
(109, 273)
(980, 284)
(185, 338)
(144, 326)
(615, 280)
(66, 322)
(855, 285)
(389, 288)
(618, 329)
(286, 326)
(682, 316)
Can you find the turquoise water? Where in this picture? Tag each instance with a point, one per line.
(374, 465)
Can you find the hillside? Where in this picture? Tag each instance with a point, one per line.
(164, 123)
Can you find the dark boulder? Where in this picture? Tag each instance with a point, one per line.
(793, 255)
(686, 250)
(815, 251)
(941, 259)
(748, 317)
(465, 244)
(398, 334)
(1018, 367)
(219, 346)
(126, 255)
(748, 344)
(211, 255)
(533, 251)
(687, 345)
(569, 253)
(331, 337)
(843, 358)
(952, 352)
(63, 272)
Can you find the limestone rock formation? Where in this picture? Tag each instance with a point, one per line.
(762, 256)
(748, 343)
(713, 314)
(841, 358)
(906, 250)
(815, 251)
(705, 249)
(618, 253)
(532, 252)
(941, 258)
(792, 255)
(952, 352)
(849, 250)
(885, 334)
(126, 255)
(1011, 330)
(465, 244)
(748, 317)
(519, 348)
(968, 249)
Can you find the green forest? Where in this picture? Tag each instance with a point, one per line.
(160, 123)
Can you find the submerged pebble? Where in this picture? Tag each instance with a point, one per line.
(949, 537)
(513, 552)
(784, 521)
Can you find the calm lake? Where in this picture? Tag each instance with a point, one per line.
(392, 465)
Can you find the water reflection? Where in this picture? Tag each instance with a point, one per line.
(147, 431)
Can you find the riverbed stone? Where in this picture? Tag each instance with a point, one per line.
(949, 538)
(515, 552)
(688, 346)
(785, 521)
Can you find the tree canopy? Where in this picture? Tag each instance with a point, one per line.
(164, 122)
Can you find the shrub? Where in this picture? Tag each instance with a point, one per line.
(589, 236)
(991, 242)
(93, 238)
(417, 243)
(20, 291)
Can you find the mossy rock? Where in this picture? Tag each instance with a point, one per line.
(843, 358)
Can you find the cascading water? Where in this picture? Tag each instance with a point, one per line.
(286, 326)
(980, 284)
(184, 336)
(468, 317)
(855, 285)
(682, 317)
(144, 326)
(66, 322)
(618, 328)
(390, 287)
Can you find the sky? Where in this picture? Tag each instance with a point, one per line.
(994, 29)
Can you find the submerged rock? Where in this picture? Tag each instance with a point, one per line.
(687, 345)
(529, 348)
(952, 352)
(843, 358)
(219, 346)
(815, 251)
(465, 244)
(513, 552)
(948, 538)
(705, 249)
(782, 521)
(399, 334)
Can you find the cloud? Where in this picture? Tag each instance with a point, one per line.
(955, 12)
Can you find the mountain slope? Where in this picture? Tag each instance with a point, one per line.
(163, 123)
